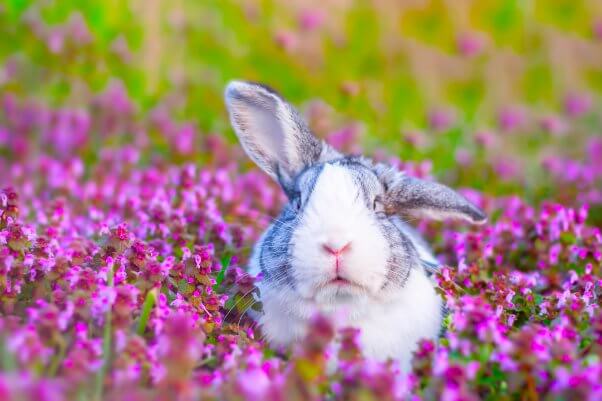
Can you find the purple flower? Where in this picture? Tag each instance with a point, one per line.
(311, 19)
(511, 118)
(506, 169)
(594, 154)
(346, 139)
(554, 125)
(470, 44)
(286, 40)
(441, 119)
(55, 40)
(184, 139)
(77, 29)
(417, 139)
(253, 384)
(486, 139)
(463, 157)
(597, 29)
(576, 104)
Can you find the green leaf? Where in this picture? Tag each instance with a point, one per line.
(225, 262)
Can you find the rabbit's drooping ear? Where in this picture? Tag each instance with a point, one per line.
(421, 198)
(272, 132)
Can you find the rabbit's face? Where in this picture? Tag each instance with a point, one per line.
(336, 239)
(340, 247)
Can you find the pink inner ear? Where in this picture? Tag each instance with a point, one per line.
(271, 131)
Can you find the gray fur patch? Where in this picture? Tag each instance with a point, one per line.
(429, 267)
(402, 257)
(274, 258)
(415, 196)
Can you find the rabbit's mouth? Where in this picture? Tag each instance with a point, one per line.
(340, 282)
(339, 290)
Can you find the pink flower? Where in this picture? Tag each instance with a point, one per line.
(511, 118)
(184, 139)
(286, 40)
(470, 44)
(55, 41)
(506, 169)
(253, 384)
(311, 19)
(597, 29)
(575, 104)
(417, 139)
(78, 29)
(345, 139)
(554, 125)
(463, 157)
(486, 139)
(441, 119)
(594, 154)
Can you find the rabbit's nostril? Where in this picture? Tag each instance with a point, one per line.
(336, 250)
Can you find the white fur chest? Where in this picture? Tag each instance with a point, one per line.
(387, 330)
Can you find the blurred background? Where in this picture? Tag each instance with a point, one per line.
(498, 95)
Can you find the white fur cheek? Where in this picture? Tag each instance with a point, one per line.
(367, 262)
(306, 261)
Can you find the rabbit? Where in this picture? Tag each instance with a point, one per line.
(340, 246)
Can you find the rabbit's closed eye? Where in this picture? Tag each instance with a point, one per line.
(378, 205)
(296, 201)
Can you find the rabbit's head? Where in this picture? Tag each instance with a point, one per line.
(338, 237)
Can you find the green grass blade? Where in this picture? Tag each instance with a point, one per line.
(149, 303)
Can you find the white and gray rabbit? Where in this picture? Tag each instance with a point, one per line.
(339, 247)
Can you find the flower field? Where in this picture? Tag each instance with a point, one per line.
(128, 210)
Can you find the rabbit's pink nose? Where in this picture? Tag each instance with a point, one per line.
(336, 250)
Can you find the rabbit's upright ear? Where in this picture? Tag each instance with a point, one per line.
(272, 132)
(416, 197)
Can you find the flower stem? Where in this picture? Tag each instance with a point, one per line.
(58, 358)
(149, 303)
(7, 360)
